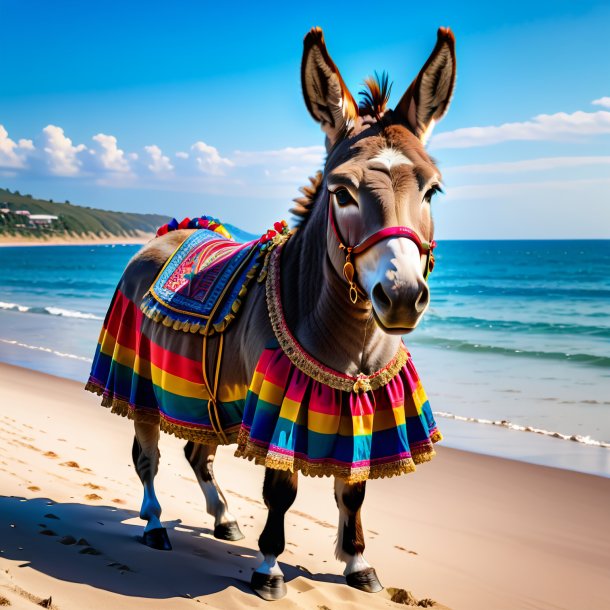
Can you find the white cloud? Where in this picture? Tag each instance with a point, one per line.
(544, 127)
(157, 162)
(602, 101)
(109, 156)
(528, 165)
(302, 156)
(492, 192)
(61, 156)
(13, 154)
(208, 159)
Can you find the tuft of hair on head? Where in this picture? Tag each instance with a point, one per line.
(304, 205)
(375, 95)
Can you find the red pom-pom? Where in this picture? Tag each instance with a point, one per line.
(185, 223)
(278, 226)
(162, 230)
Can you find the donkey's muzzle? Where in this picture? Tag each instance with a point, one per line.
(399, 307)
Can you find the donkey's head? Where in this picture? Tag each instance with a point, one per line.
(378, 180)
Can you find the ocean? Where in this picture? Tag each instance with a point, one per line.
(514, 350)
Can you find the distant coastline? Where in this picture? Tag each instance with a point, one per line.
(75, 240)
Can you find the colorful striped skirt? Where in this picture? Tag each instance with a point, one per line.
(284, 419)
(293, 422)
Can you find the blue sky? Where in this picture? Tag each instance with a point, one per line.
(195, 107)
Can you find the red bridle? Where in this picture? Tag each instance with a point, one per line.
(425, 249)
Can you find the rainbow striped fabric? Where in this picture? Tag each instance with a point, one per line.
(293, 422)
(148, 372)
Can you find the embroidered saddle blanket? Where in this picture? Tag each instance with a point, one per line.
(201, 286)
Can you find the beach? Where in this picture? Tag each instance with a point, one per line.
(514, 361)
(468, 531)
(75, 240)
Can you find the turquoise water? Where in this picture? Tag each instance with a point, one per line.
(517, 332)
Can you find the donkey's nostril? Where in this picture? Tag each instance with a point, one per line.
(422, 298)
(380, 296)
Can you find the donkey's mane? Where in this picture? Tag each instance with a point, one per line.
(375, 95)
(304, 205)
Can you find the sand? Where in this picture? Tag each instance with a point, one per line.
(76, 240)
(469, 531)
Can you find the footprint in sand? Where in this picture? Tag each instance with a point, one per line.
(120, 566)
(47, 533)
(34, 488)
(402, 548)
(71, 464)
(67, 540)
(89, 550)
(50, 454)
(93, 497)
(402, 596)
(118, 501)
(92, 486)
(51, 516)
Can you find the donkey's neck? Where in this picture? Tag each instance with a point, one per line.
(341, 335)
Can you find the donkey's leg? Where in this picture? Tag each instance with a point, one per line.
(279, 492)
(146, 456)
(201, 459)
(350, 538)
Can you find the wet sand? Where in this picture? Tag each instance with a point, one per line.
(468, 531)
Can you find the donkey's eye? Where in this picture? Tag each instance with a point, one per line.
(343, 197)
(431, 192)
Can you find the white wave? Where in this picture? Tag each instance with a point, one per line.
(52, 311)
(70, 313)
(14, 306)
(504, 423)
(46, 350)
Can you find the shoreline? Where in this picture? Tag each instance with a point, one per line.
(77, 241)
(467, 530)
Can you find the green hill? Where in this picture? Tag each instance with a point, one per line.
(72, 220)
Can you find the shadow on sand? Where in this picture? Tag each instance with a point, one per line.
(95, 545)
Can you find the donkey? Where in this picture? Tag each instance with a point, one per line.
(353, 282)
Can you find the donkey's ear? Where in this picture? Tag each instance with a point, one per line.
(427, 99)
(327, 97)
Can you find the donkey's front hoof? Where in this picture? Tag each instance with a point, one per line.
(228, 531)
(268, 587)
(157, 539)
(365, 580)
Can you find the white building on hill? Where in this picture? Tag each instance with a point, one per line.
(42, 220)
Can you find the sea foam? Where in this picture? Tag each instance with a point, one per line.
(504, 423)
(52, 311)
(47, 350)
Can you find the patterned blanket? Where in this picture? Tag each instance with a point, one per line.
(201, 285)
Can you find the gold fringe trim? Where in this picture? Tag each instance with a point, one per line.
(262, 457)
(306, 363)
(124, 409)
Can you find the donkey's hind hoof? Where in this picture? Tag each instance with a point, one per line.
(268, 587)
(228, 531)
(365, 580)
(157, 539)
